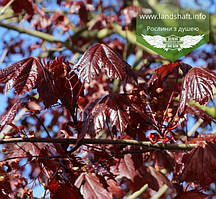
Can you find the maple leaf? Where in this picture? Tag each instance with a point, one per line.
(67, 85)
(162, 160)
(138, 176)
(9, 115)
(127, 168)
(54, 81)
(197, 86)
(115, 189)
(99, 58)
(91, 188)
(162, 72)
(114, 108)
(28, 74)
(199, 113)
(22, 150)
(161, 178)
(46, 89)
(22, 75)
(198, 166)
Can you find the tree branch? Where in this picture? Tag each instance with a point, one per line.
(35, 33)
(41, 35)
(149, 145)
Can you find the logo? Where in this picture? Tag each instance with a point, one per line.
(172, 31)
(172, 42)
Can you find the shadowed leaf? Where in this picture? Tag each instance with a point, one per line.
(162, 160)
(67, 85)
(162, 72)
(196, 111)
(112, 107)
(63, 191)
(126, 167)
(90, 187)
(199, 165)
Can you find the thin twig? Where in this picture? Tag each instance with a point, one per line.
(42, 124)
(161, 191)
(138, 193)
(195, 127)
(3, 56)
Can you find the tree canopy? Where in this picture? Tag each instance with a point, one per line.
(90, 113)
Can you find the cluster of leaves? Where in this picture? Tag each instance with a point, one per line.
(101, 97)
(138, 105)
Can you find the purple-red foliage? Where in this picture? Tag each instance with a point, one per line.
(101, 97)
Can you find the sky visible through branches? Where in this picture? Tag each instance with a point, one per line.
(8, 34)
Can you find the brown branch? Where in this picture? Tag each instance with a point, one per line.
(149, 145)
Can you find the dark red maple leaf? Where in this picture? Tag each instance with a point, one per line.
(115, 189)
(28, 74)
(162, 72)
(9, 115)
(112, 107)
(100, 58)
(54, 81)
(90, 187)
(161, 178)
(199, 113)
(162, 160)
(22, 75)
(127, 168)
(198, 166)
(63, 191)
(67, 85)
(137, 176)
(197, 86)
(46, 89)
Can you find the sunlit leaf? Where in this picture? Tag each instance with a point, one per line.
(197, 86)
(100, 58)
